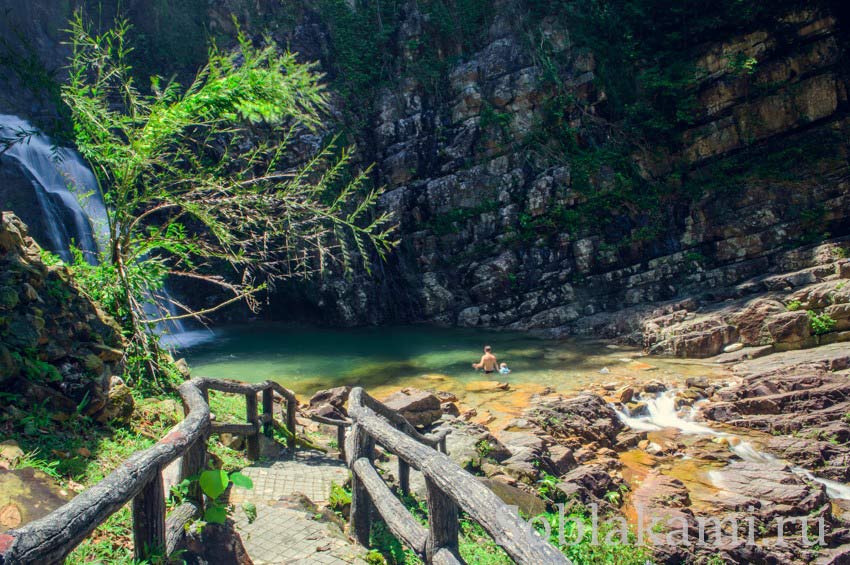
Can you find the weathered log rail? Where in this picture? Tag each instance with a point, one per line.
(139, 480)
(449, 489)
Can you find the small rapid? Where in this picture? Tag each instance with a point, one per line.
(661, 413)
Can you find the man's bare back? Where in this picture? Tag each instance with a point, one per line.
(488, 361)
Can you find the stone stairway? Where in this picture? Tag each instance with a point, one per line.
(289, 493)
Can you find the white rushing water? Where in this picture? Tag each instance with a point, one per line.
(662, 414)
(67, 190)
(75, 214)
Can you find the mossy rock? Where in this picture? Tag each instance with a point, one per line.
(8, 298)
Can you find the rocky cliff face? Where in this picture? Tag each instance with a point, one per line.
(498, 231)
(55, 345)
(526, 197)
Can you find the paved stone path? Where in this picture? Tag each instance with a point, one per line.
(288, 528)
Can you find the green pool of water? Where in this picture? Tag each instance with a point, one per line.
(309, 359)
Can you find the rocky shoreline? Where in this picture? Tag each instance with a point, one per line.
(756, 452)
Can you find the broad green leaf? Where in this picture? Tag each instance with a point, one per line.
(241, 480)
(213, 483)
(215, 514)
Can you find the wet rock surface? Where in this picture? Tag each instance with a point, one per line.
(691, 460)
(27, 495)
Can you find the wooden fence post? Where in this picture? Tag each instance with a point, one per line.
(442, 522)
(360, 445)
(268, 412)
(253, 439)
(340, 441)
(149, 519)
(194, 460)
(291, 406)
(403, 476)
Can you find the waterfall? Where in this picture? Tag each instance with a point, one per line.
(71, 201)
(67, 190)
(662, 414)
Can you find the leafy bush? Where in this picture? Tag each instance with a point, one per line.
(793, 305)
(339, 498)
(820, 323)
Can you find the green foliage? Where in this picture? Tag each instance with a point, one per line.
(695, 257)
(27, 66)
(79, 452)
(33, 460)
(606, 552)
(793, 305)
(477, 546)
(740, 64)
(547, 488)
(250, 511)
(363, 45)
(453, 220)
(214, 483)
(339, 498)
(483, 448)
(490, 117)
(197, 181)
(820, 323)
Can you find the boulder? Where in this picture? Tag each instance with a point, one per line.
(336, 397)
(588, 483)
(654, 387)
(788, 328)
(697, 382)
(624, 395)
(470, 445)
(527, 451)
(419, 407)
(751, 321)
(232, 441)
(576, 421)
(119, 405)
(10, 454)
(561, 459)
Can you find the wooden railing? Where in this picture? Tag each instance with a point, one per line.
(139, 480)
(449, 489)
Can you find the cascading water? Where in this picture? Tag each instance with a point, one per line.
(66, 189)
(662, 414)
(70, 199)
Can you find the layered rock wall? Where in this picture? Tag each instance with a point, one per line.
(763, 162)
(500, 226)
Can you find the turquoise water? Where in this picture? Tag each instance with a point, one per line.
(309, 359)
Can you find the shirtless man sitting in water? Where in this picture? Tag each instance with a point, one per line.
(488, 361)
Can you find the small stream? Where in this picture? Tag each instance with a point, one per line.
(662, 414)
